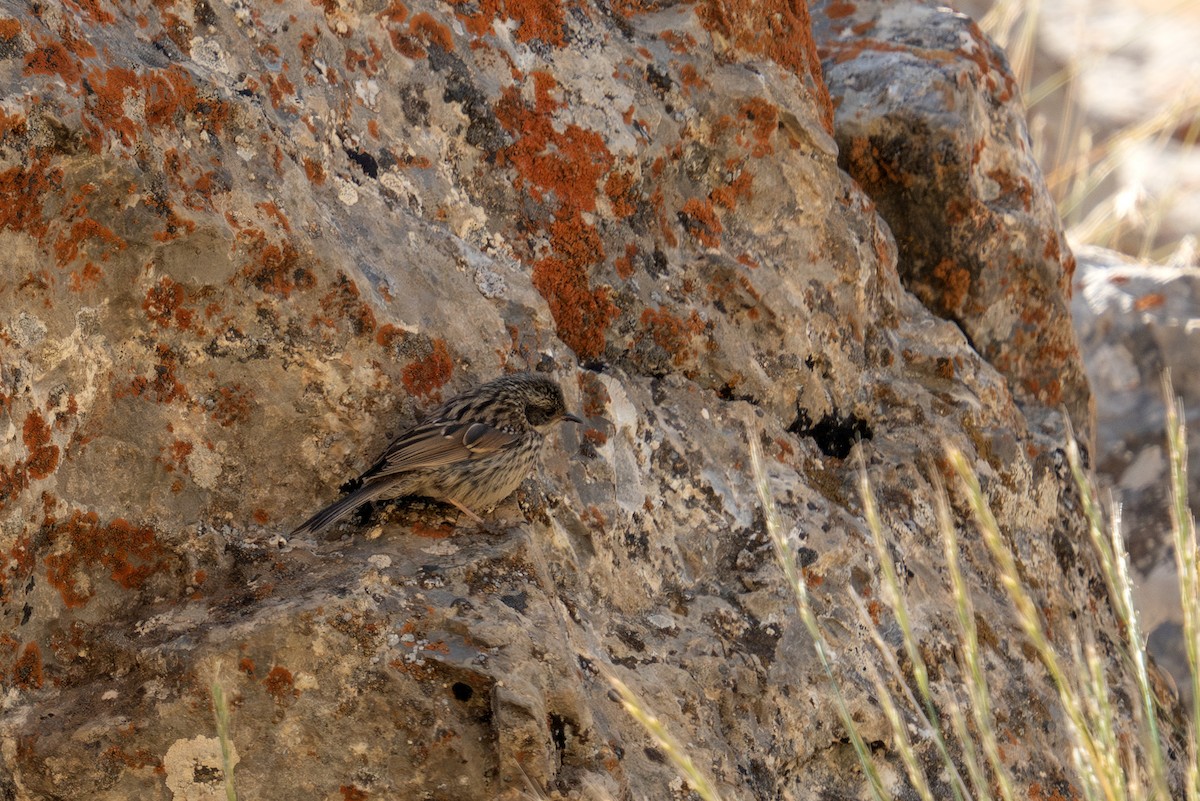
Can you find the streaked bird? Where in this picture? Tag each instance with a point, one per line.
(472, 451)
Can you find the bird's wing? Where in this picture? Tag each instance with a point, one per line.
(437, 444)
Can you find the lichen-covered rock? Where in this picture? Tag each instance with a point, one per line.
(930, 125)
(243, 244)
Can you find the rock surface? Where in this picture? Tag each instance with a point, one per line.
(245, 243)
(1136, 320)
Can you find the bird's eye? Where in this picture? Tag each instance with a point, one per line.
(538, 415)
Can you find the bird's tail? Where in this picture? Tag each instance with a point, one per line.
(340, 508)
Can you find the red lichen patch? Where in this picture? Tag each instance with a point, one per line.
(27, 671)
(272, 211)
(165, 386)
(83, 231)
(280, 685)
(428, 29)
(176, 456)
(138, 759)
(1014, 186)
(390, 336)
(425, 377)
(838, 9)
(352, 793)
(690, 79)
(763, 120)
(955, 282)
(671, 333)
(130, 554)
(624, 264)
(275, 269)
(701, 221)
(621, 193)
(164, 304)
(246, 665)
(738, 189)
(595, 395)
(679, 42)
(106, 104)
(345, 302)
(279, 87)
(566, 164)
(561, 169)
(234, 403)
(780, 30)
(13, 481)
(51, 58)
(23, 189)
(10, 30)
(537, 19)
(314, 171)
(581, 313)
(171, 94)
(43, 456)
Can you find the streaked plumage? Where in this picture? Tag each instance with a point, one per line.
(472, 451)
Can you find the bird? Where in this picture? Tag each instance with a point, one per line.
(472, 451)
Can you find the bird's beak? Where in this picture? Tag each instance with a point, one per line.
(574, 418)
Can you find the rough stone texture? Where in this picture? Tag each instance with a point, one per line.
(1136, 320)
(929, 124)
(244, 243)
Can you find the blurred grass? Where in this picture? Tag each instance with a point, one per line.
(1101, 203)
(1118, 755)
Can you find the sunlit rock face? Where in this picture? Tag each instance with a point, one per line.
(245, 244)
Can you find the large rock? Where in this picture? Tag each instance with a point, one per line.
(244, 244)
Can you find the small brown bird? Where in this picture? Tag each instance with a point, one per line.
(472, 451)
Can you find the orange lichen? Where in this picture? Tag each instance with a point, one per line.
(738, 189)
(352, 793)
(23, 189)
(131, 554)
(537, 19)
(679, 42)
(595, 394)
(624, 264)
(955, 282)
(701, 221)
(165, 385)
(314, 171)
(561, 169)
(671, 333)
(106, 105)
(234, 402)
(345, 302)
(389, 335)
(621, 195)
(428, 29)
(27, 670)
(275, 269)
(780, 30)
(43, 456)
(763, 120)
(425, 377)
(581, 313)
(1154, 300)
(51, 58)
(280, 684)
(164, 304)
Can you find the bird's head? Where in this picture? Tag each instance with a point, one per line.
(542, 400)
